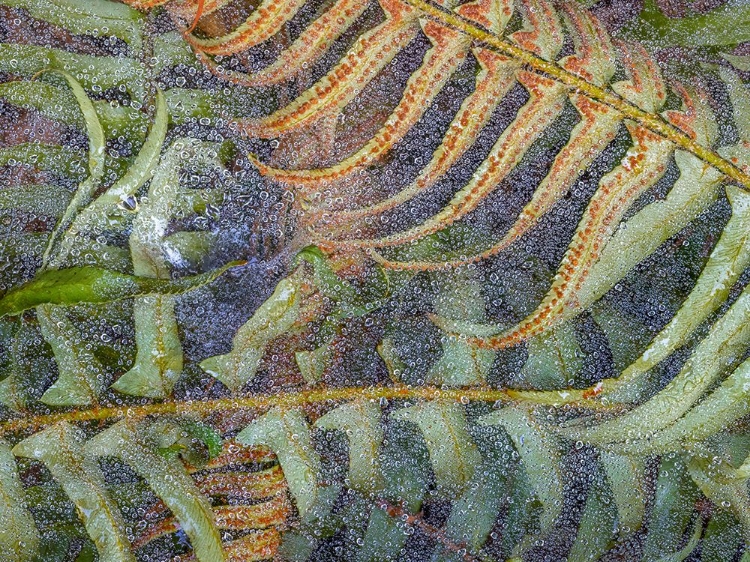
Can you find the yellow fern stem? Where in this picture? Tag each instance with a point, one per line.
(289, 399)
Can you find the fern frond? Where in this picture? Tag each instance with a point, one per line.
(473, 429)
(603, 108)
(643, 94)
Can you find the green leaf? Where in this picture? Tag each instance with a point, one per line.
(61, 160)
(627, 480)
(100, 18)
(474, 514)
(48, 99)
(87, 554)
(100, 71)
(325, 279)
(596, 527)
(541, 459)
(206, 434)
(191, 247)
(164, 196)
(453, 454)
(196, 442)
(521, 520)
(77, 285)
(195, 201)
(722, 538)
(169, 481)
(384, 538)
(361, 422)
(91, 253)
(296, 546)
(692, 544)
(158, 362)
(350, 300)
(81, 375)
(85, 191)
(393, 363)
(60, 448)
(29, 361)
(740, 62)
(669, 519)
(142, 169)
(288, 435)
(740, 98)
(58, 104)
(555, 359)
(726, 25)
(627, 336)
(49, 200)
(405, 479)
(272, 319)
(174, 50)
(461, 300)
(19, 537)
(188, 104)
(461, 364)
(312, 364)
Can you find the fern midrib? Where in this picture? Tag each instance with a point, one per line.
(289, 399)
(651, 121)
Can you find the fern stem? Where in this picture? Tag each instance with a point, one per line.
(651, 121)
(290, 399)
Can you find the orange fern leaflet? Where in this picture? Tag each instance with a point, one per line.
(262, 24)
